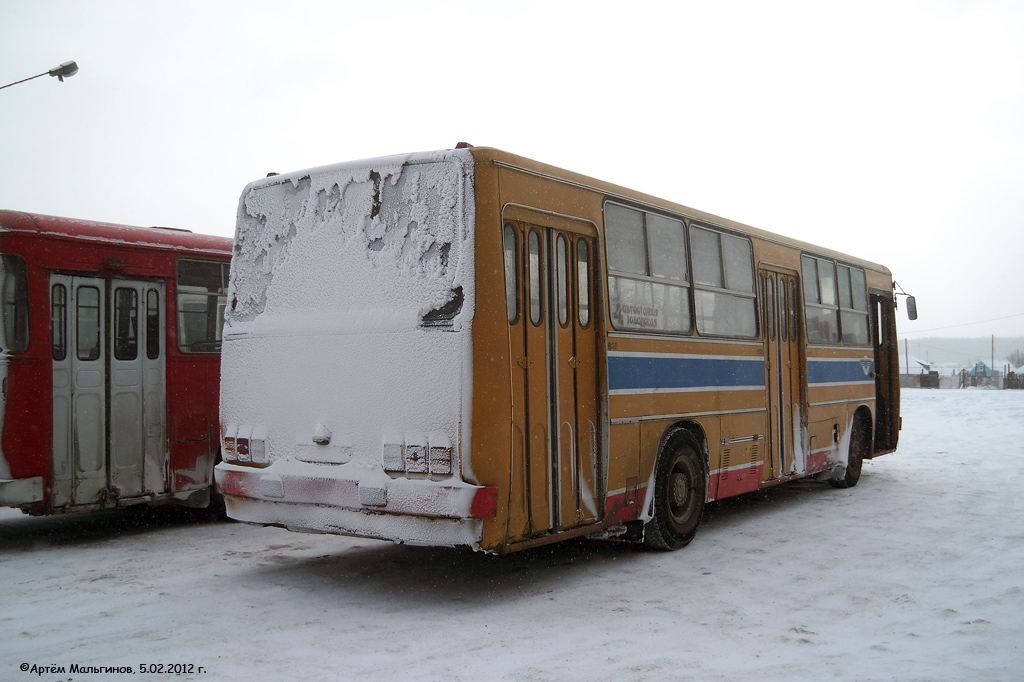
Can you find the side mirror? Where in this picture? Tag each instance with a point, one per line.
(911, 307)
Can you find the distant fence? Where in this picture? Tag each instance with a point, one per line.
(963, 379)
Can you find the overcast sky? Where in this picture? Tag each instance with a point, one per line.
(893, 131)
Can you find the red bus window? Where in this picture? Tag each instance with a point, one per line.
(59, 321)
(152, 324)
(13, 304)
(202, 290)
(87, 321)
(126, 324)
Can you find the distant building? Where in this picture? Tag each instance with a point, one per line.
(916, 373)
(981, 370)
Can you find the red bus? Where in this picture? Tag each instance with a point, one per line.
(110, 363)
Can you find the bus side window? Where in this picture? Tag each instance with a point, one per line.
(583, 281)
(877, 323)
(152, 324)
(509, 244)
(87, 321)
(820, 304)
(126, 324)
(853, 306)
(794, 307)
(14, 327)
(202, 291)
(59, 321)
(648, 289)
(723, 276)
(562, 279)
(535, 293)
(783, 311)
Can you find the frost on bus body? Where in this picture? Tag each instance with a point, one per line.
(347, 351)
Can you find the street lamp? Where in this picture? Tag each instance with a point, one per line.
(65, 70)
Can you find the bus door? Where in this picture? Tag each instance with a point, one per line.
(784, 372)
(107, 365)
(887, 386)
(136, 388)
(555, 380)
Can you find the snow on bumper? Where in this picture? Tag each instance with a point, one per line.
(19, 491)
(338, 499)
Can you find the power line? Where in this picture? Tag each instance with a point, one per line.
(965, 324)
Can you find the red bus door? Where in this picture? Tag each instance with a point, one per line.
(108, 389)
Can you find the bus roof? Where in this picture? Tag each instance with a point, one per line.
(90, 230)
(502, 158)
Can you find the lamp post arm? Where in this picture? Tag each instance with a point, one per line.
(24, 79)
(65, 70)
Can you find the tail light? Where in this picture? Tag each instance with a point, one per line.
(394, 460)
(258, 445)
(227, 443)
(415, 454)
(244, 444)
(440, 456)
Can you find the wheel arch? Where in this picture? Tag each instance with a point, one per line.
(699, 435)
(864, 416)
(663, 529)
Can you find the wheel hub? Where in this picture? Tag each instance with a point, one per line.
(680, 490)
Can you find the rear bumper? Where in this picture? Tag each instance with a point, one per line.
(350, 501)
(20, 491)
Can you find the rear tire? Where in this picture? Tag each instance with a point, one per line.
(216, 506)
(680, 492)
(859, 444)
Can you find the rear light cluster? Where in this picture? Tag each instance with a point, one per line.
(244, 444)
(418, 454)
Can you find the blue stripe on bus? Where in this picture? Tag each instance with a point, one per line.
(849, 371)
(659, 372)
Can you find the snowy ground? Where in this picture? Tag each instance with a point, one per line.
(915, 574)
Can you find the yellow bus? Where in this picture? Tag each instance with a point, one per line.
(468, 347)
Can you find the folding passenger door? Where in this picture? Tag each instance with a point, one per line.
(887, 386)
(555, 392)
(108, 388)
(784, 372)
(136, 388)
(79, 390)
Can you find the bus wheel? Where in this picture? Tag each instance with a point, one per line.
(216, 505)
(680, 491)
(859, 442)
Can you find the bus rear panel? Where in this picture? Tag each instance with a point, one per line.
(346, 388)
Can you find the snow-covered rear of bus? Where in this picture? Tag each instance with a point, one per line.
(346, 375)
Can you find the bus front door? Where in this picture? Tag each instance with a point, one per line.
(784, 373)
(887, 381)
(107, 364)
(556, 391)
